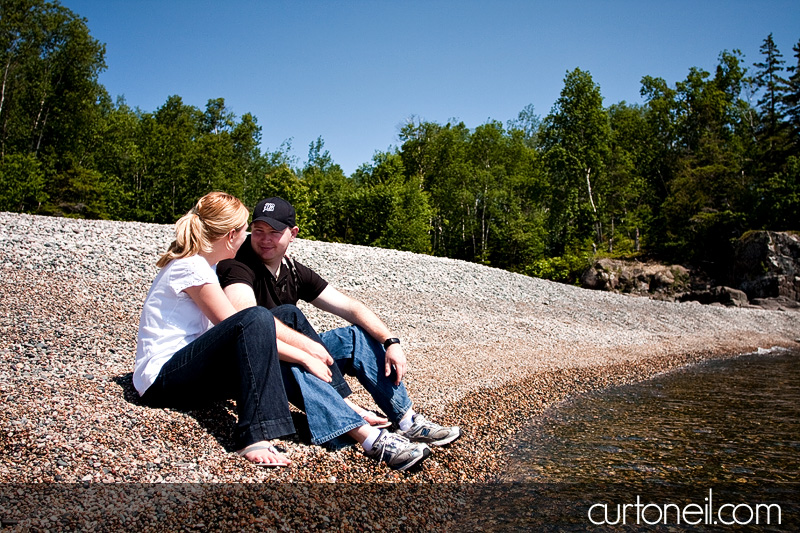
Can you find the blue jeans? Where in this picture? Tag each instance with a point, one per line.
(328, 416)
(236, 359)
(359, 355)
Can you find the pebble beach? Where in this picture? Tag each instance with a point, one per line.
(488, 350)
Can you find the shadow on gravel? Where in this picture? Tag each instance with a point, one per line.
(217, 418)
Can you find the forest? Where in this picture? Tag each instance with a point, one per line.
(678, 178)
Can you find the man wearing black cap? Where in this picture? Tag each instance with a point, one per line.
(262, 274)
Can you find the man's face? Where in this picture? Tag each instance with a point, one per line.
(269, 244)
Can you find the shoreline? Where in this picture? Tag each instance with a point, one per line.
(488, 350)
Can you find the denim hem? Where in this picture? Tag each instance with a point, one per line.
(402, 410)
(336, 433)
(267, 430)
(343, 389)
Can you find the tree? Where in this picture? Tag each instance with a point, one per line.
(769, 80)
(529, 124)
(790, 103)
(575, 142)
(49, 92)
(707, 196)
(390, 208)
(627, 198)
(330, 194)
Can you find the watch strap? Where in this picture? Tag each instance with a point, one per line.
(389, 342)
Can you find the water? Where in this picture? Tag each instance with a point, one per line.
(724, 432)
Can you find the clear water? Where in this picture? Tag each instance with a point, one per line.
(725, 421)
(730, 426)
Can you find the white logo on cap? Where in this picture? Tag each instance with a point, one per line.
(269, 207)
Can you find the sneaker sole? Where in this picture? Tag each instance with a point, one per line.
(425, 454)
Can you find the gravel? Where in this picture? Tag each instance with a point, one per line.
(488, 350)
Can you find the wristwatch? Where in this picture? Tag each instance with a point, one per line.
(389, 342)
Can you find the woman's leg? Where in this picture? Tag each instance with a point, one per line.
(236, 359)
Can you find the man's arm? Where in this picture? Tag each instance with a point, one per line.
(242, 296)
(357, 313)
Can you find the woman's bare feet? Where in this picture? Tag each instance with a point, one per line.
(264, 454)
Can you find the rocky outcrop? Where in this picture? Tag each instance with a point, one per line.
(716, 295)
(767, 265)
(765, 272)
(633, 277)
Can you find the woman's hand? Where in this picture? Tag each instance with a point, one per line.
(318, 368)
(290, 354)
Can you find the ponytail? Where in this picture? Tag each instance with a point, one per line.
(214, 215)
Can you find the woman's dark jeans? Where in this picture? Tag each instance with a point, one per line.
(236, 359)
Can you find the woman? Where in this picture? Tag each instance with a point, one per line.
(181, 362)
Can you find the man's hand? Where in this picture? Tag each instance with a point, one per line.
(395, 357)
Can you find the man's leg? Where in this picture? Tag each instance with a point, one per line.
(328, 415)
(357, 354)
(293, 317)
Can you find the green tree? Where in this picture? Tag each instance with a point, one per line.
(329, 195)
(50, 90)
(790, 103)
(706, 204)
(769, 80)
(22, 183)
(435, 156)
(626, 195)
(389, 209)
(575, 139)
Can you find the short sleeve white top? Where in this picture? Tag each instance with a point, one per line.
(170, 319)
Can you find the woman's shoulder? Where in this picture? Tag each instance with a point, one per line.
(194, 268)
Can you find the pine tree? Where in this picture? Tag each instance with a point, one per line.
(768, 80)
(790, 103)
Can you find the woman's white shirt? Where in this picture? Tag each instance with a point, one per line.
(170, 319)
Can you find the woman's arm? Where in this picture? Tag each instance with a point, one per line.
(211, 301)
(290, 354)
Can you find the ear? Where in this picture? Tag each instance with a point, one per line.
(295, 230)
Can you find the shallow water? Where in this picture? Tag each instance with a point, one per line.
(725, 431)
(724, 421)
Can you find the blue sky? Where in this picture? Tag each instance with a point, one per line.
(354, 71)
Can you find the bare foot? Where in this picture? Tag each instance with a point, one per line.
(264, 454)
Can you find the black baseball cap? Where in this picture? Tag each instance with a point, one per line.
(276, 212)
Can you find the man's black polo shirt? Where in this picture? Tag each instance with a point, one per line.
(247, 268)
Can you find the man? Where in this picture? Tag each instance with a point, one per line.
(262, 274)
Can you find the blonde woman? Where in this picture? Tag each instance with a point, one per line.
(182, 361)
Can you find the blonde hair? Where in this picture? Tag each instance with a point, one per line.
(214, 215)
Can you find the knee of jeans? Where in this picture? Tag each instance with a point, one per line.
(259, 316)
(360, 334)
(288, 310)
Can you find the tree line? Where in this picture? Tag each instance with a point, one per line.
(679, 177)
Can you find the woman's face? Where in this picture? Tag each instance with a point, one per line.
(239, 236)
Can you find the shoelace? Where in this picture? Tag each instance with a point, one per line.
(421, 422)
(390, 441)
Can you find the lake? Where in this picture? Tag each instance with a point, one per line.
(714, 446)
